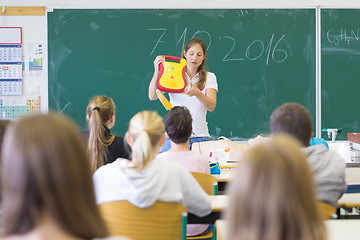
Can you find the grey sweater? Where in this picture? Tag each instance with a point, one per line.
(328, 169)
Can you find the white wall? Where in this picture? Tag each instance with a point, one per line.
(185, 3)
(34, 31)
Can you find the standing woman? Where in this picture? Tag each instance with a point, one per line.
(103, 147)
(200, 93)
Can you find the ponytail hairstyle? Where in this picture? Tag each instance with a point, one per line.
(201, 70)
(145, 130)
(99, 111)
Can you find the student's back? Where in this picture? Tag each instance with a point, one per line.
(192, 161)
(328, 167)
(146, 179)
(103, 147)
(178, 126)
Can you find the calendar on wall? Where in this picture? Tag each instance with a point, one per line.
(11, 80)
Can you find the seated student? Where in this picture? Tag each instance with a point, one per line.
(327, 166)
(146, 178)
(47, 188)
(103, 147)
(4, 124)
(272, 195)
(178, 126)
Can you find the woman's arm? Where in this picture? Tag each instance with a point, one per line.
(208, 99)
(153, 83)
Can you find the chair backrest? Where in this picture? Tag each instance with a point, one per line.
(326, 210)
(207, 182)
(163, 220)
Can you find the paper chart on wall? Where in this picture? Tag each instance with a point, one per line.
(14, 109)
(10, 62)
(35, 59)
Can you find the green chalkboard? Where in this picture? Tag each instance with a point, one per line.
(262, 58)
(340, 70)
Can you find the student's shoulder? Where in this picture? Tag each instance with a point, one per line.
(111, 167)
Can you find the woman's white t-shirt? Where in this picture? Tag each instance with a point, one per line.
(196, 108)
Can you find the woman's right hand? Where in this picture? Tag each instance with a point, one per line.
(159, 59)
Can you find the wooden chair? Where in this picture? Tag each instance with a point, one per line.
(326, 210)
(209, 184)
(162, 221)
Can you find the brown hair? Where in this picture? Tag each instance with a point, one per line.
(3, 125)
(99, 110)
(201, 69)
(292, 119)
(178, 124)
(46, 170)
(272, 195)
(145, 130)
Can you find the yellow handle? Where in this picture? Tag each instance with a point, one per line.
(167, 105)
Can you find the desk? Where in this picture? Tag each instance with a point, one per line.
(225, 175)
(218, 205)
(337, 229)
(223, 178)
(349, 200)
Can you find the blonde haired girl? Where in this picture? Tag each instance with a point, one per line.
(103, 147)
(147, 179)
(272, 195)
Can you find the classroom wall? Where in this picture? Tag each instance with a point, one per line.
(185, 3)
(35, 83)
(40, 24)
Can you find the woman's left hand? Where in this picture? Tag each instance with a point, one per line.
(192, 91)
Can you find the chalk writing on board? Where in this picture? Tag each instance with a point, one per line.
(253, 51)
(277, 54)
(343, 35)
(163, 30)
(241, 12)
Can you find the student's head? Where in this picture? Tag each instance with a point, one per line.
(4, 123)
(100, 113)
(47, 173)
(272, 195)
(178, 124)
(196, 48)
(292, 119)
(145, 136)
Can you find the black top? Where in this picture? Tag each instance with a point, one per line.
(117, 149)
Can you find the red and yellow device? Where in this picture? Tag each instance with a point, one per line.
(172, 75)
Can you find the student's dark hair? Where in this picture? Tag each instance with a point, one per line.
(178, 124)
(99, 110)
(292, 119)
(47, 171)
(201, 69)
